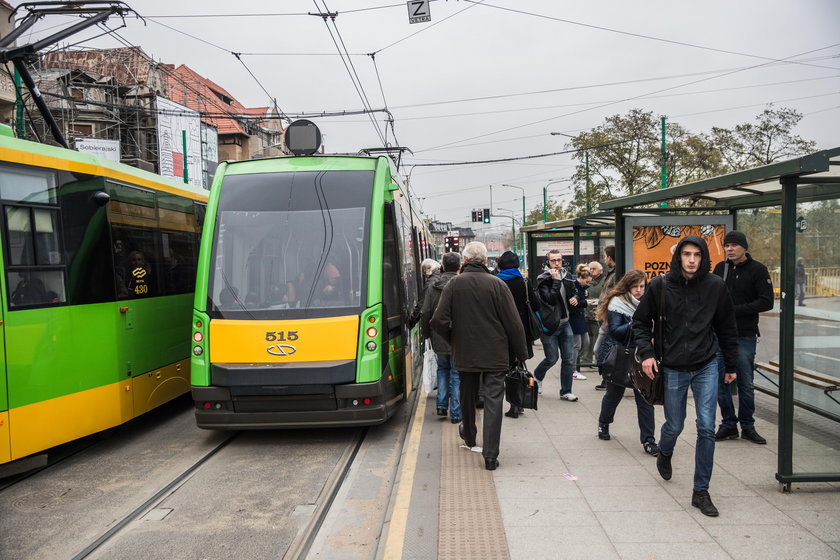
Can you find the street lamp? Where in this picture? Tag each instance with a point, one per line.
(523, 214)
(512, 224)
(545, 195)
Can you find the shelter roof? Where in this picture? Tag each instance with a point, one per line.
(816, 176)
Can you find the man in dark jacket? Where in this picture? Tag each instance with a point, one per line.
(697, 320)
(557, 293)
(477, 316)
(448, 381)
(752, 292)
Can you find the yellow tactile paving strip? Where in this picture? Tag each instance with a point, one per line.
(470, 521)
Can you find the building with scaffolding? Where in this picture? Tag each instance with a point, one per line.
(168, 120)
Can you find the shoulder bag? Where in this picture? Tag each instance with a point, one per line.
(521, 388)
(618, 364)
(653, 390)
(535, 328)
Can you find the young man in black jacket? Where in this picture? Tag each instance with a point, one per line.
(557, 294)
(697, 320)
(752, 292)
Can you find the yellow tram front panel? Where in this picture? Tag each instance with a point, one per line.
(303, 340)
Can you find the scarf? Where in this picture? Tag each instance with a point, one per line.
(509, 273)
(626, 304)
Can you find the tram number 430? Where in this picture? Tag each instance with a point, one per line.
(271, 336)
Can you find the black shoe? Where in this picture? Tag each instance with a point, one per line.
(701, 499)
(455, 420)
(651, 448)
(752, 435)
(461, 433)
(479, 403)
(441, 412)
(726, 433)
(512, 413)
(491, 464)
(663, 465)
(604, 431)
(601, 387)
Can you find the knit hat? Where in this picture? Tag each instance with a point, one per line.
(737, 238)
(507, 260)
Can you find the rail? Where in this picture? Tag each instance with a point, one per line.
(822, 381)
(822, 281)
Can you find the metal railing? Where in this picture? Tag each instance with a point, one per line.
(823, 281)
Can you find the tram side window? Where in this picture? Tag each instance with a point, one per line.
(180, 256)
(36, 273)
(390, 270)
(135, 262)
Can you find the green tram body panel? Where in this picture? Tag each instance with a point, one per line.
(85, 361)
(283, 400)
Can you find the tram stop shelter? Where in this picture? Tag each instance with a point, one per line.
(580, 239)
(790, 213)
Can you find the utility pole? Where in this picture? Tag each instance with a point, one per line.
(588, 201)
(663, 169)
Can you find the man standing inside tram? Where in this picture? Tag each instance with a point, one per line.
(476, 314)
(697, 320)
(749, 285)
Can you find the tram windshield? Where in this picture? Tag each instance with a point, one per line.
(291, 245)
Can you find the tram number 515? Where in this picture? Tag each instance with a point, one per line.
(282, 336)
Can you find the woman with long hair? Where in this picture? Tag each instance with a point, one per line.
(616, 311)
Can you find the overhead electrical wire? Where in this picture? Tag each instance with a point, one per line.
(426, 28)
(628, 33)
(632, 98)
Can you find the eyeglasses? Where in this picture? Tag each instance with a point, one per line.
(555, 260)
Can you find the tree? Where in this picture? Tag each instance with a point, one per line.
(553, 213)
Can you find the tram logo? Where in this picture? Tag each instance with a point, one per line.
(281, 349)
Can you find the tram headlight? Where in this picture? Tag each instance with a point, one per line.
(198, 350)
(371, 346)
(198, 337)
(371, 332)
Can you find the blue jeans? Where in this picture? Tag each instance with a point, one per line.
(745, 370)
(449, 386)
(704, 385)
(560, 343)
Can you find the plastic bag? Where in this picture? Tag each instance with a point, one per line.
(429, 369)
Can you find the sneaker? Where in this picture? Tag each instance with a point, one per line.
(604, 432)
(441, 412)
(663, 465)
(651, 448)
(701, 499)
(579, 376)
(571, 397)
(751, 435)
(601, 387)
(724, 433)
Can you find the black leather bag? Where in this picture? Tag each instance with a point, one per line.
(653, 390)
(521, 388)
(618, 365)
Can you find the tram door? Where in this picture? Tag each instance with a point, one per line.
(393, 355)
(5, 433)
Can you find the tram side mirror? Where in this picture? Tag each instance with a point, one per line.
(101, 198)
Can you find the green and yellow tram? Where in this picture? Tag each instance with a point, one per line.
(309, 270)
(98, 272)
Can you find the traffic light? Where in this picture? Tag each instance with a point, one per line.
(451, 244)
(486, 215)
(474, 216)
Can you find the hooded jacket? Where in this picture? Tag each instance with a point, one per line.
(751, 289)
(477, 316)
(430, 302)
(699, 316)
(554, 298)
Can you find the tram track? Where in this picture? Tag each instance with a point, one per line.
(300, 546)
(157, 497)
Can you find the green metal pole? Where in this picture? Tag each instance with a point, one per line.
(522, 233)
(663, 170)
(588, 202)
(20, 125)
(184, 142)
(545, 204)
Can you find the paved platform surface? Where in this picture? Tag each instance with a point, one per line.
(560, 492)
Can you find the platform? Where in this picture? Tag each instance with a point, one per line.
(560, 492)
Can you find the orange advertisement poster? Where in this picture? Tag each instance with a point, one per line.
(653, 246)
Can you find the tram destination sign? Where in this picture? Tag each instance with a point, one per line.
(419, 11)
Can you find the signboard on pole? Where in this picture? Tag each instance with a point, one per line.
(106, 149)
(418, 11)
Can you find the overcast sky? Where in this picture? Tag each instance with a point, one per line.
(493, 79)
